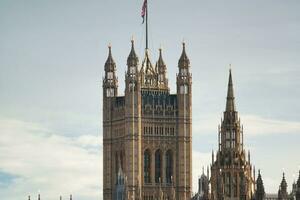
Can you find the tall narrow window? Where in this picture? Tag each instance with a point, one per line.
(147, 164)
(169, 166)
(116, 164)
(157, 166)
(228, 185)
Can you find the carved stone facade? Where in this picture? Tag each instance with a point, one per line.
(231, 173)
(148, 131)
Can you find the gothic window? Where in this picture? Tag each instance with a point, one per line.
(227, 135)
(157, 166)
(161, 78)
(183, 89)
(227, 143)
(116, 165)
(184, 72)
(147, 164)
(235, 185)
(110, 92)
(110, 75)
(169, 166)
(132, 70)
(228, 184)
(131, 86)
(161, 130)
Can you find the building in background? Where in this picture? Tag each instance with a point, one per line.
(231, 172)
(232, 175)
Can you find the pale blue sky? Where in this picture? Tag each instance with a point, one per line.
(51, 60)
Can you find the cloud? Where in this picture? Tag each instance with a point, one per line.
(254, 125)
(46, 162)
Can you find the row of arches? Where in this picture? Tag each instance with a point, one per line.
(159, 167)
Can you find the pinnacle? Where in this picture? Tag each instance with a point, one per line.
(132, 54)
(183, 60)
(110, 60)
(160, 61)
(230, 105)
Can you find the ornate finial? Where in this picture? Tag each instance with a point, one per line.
(70, 196)
(60, 197)
(183, 60)
(29, 197)
(39, 197)
(109, 49)
(132, 43)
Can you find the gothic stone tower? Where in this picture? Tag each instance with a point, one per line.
(147, 133)
(231, 173)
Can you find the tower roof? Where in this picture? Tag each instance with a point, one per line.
(230, 104)
(183, 60)
(260, 191)
(160, 61)
(110, 63)
(283, 184)
(132, 55)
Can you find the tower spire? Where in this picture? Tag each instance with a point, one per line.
(230, 105)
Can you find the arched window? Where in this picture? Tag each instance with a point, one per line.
(147, 164)
(116, 164)
(228, 184)
(157, 166)
(169, 166)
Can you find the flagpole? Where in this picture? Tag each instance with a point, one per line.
(146, 25)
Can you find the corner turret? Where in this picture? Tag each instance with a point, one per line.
(110, 81)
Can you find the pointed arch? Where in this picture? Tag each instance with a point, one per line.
(147, 166)
(158, 166)
(169, 166)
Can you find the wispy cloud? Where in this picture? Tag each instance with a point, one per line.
(40, 160)
(254, 125)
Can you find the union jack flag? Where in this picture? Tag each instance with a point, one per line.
(144, 10)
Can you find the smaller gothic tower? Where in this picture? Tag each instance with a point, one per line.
(282, 192)
(260, 189)
(203, 187)
(132, 126)
(184, 99)
(110, 82)
(161, 69)
(231, 172)
(110, 92)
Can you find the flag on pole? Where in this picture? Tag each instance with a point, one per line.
(144, 10)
